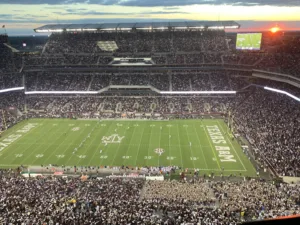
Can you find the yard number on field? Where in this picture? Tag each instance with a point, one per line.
(171, 158)
(194, 158)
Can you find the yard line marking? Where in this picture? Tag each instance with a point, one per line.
(139, 147)
(200, 145)
(191, 151)
(100, 142)
(231, 145)
(213, 149)
(169, 144)
(149, 146)
(130, 142)
(57, 148)
(92, 140)
(45, 133)
(159, 144)
(98, 145)
(64, 152)
(14, 131)
(179, 146)
(119, 144)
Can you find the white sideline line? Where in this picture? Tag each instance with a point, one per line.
(187, 168)
(219, 170)
(197, 92)
(12, 89)
(5, 165)
(206, 146)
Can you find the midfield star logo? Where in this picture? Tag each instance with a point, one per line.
(115, 138)
(159, 151)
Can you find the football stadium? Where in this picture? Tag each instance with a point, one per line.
(149, 123)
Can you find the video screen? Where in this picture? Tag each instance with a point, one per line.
(248, 41)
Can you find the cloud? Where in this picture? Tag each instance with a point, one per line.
(85, 12)
(152, 3)
(5, 16)
(89, 20)
(14, 17)
(171, 8)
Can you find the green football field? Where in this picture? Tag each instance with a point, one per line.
(249, 41)
(201, 144)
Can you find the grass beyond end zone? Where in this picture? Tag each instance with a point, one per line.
(201, 144)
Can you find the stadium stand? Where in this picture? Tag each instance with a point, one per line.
(270, 121)
(126, 201)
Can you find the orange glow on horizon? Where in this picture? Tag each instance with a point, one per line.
(274, 29)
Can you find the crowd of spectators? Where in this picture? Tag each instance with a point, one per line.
(62, 201)
(165, 48)
(272, 122)
(135, 42)
(269, 121)
(279, 63)
(187, 80)
(11, 105)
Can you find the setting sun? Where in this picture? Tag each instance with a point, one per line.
(274, 29)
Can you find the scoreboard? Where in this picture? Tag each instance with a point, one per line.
(248, 41)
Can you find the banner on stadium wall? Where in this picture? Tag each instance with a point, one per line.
(285, 217)
(32, 175)
(58, 173)
(155, 178)
(132, 175)
(291, 180)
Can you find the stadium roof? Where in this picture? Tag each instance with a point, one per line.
(138, 26)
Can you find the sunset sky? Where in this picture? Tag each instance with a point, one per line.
(22, 16)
